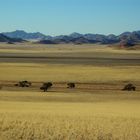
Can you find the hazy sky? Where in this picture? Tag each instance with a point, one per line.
(54, 17)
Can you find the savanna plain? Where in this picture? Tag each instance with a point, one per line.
(97, 109)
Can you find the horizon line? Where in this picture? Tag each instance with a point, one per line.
(70, 33)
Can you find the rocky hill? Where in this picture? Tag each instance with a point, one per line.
(126, 38)
(26, 36)
(4, 38)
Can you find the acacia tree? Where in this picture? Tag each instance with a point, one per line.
(71, 85)
(23, 84)
(129, 87)
(46, 86)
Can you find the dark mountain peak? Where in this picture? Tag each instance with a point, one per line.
(111, 36)
(125, 38)
(125, 34)
(16, 33)
(24, 35)
(75, 35)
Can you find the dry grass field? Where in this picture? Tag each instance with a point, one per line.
(96, 109)
(64, 73)
(96, 115)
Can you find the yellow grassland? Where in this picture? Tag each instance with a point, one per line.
(97, 118)
(74, 115)
(62, 48)
(64, 73)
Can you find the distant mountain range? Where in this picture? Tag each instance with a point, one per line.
(9, 40)
(24, 35)
(126, 38)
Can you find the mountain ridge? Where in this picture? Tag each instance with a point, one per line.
(77, 38)
(9, 40)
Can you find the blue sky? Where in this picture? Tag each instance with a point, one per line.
(55, 17)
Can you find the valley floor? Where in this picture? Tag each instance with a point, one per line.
(97, 109)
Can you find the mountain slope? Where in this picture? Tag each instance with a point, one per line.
(24, 35)
(76, 38)
(4, 38)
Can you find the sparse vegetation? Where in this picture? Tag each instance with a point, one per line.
(71, 85)
(24, 84)
(129, 87)
(96, 109)
(46, 86)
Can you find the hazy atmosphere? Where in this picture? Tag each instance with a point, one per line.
(56, 17)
